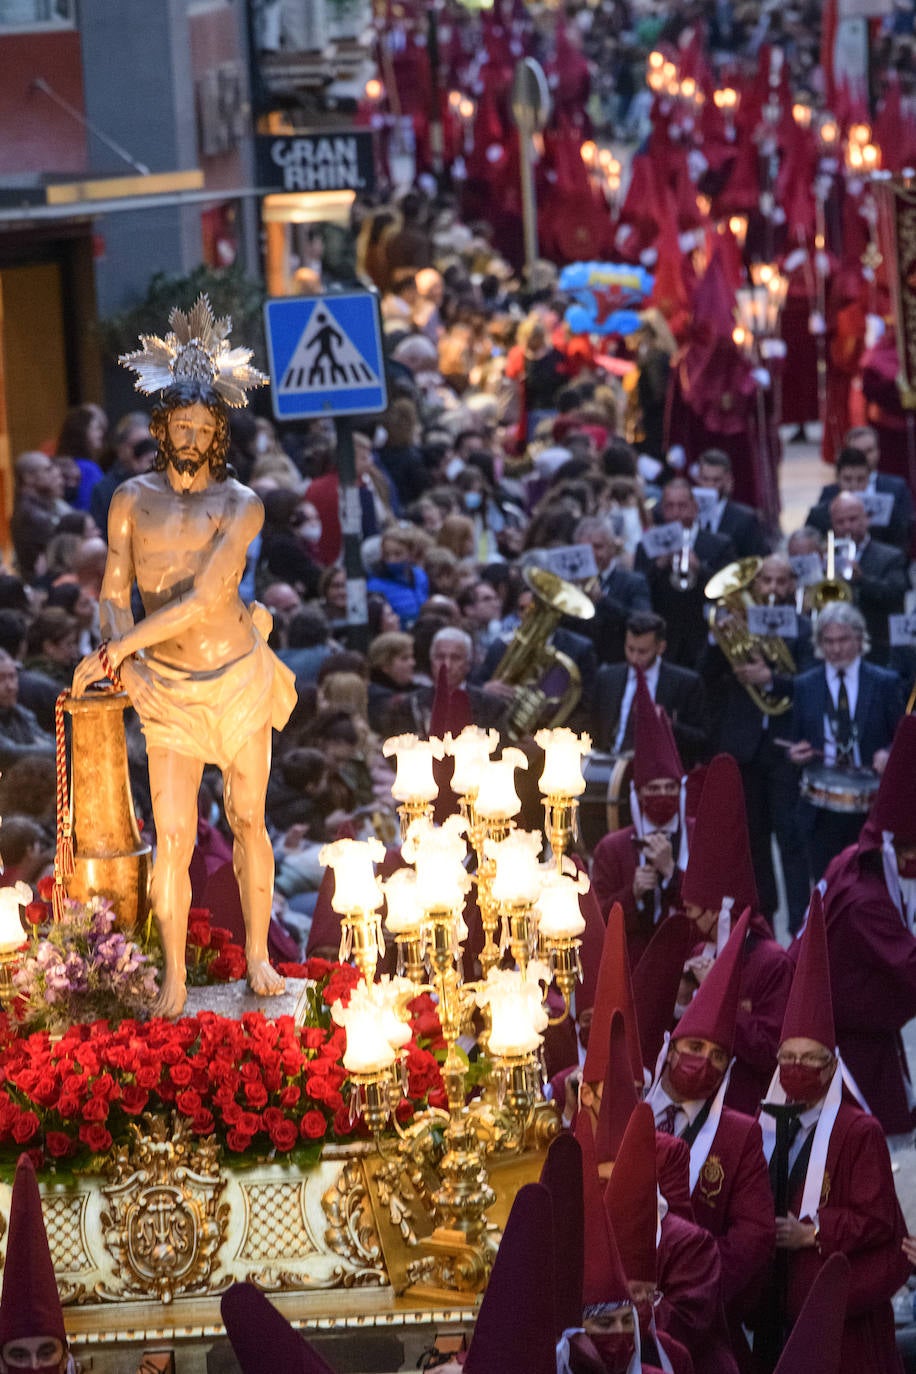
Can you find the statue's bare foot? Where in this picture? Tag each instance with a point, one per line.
(263, 980)
(172, 996)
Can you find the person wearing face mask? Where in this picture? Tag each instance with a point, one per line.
(833, 1161)
(291, 530)
(32, 1334)
(607, 1336)
(719, 883)
(641, 865)
(728, 1180)
(402, 583)
(870, 912)
(672, 1264)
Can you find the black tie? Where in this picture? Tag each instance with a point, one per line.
(666, 1121)
(843, 718)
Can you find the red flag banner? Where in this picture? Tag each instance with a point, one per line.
(897, 229)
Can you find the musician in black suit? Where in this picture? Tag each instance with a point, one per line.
(409, 713)
(877, 574)
(737, 522)
(854, 474)
(682, 607)
(743, 729)
(844, 712)
(617, 593)
(679, 690)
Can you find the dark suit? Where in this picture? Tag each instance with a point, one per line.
(409, 712)
(879, 706)
(880, 592)
(684, 612)
(742, 526)
(681, 693)
(896, 532)
(622, 593)
(770, 779)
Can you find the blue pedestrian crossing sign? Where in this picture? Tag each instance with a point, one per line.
(325, 355)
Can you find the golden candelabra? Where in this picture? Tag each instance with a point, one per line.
(529, 911)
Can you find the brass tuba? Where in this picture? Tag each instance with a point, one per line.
(729, 590)
(548, 682)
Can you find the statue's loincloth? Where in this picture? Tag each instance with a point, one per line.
(210, 715)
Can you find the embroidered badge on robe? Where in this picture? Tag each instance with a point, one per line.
(711, 1179)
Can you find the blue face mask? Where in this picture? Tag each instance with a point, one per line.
(472, 500)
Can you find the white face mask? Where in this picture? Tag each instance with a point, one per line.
(453, 468)
(311, 531)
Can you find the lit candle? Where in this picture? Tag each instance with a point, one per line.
(517, 879)
(405, 910)
(355, 884)
(517, 1015)
(497, 799)
(12, 933)
(438, 853)
(414, 781)
(563, 752)
(471, 751)
(559, 916)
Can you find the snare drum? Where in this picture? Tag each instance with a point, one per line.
(605, 804)
(849, 791)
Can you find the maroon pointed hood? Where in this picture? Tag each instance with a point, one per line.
(654, 752)
(815, 1343)
(809, 1010)
(720, 865)
(614, 992)
(712, 1013)
(631, 1197)
(618, 1098)
(262, 1338)
(30, 1303)
(561, 1175)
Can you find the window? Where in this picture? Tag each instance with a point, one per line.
(37, 14)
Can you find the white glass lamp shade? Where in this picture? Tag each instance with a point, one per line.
(438, 853)
(563, 752)
(405, 910)
(518, 873)
(375, 1029)
(12, 933)
(497, 799)
(471, 751)
(414, 781)
(517, 1014)
(356, 887)
(559, 916)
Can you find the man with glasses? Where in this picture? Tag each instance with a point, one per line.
(844, 713)
(830, 1167)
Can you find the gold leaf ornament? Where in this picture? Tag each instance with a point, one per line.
(196, 349)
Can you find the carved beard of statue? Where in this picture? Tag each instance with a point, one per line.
(186, 461)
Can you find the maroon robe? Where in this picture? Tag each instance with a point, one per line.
(691, 1306)
(872, 979)
(766, 976)
(613, 871)
(859, 1216)
(733, 1202)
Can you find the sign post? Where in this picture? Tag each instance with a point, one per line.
(530, 111)
(326, 359)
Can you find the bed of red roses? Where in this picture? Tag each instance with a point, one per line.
(263, 1088)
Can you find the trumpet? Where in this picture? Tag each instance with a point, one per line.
(832, 588)
(683, 578)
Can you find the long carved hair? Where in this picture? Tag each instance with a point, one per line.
(176, 397)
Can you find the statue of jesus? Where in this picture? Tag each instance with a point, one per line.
(197, 667)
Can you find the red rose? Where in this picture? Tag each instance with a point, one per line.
(58, 1145)
(171, 1054)
(134, 1099)
(95, 1109)
(203, 1123)
(228, 966)
(232, 1113)
(46, 1090)
(219, 938)
(290, 1095)
(238, 1141)
(312, 1037)
(342, 1123)
(148, 1075)
(182, 1074)
(404, 1111)
(68, 1104)
(188, 1102)
(284, 1136)
(103, 1086)
(198, 934)
(250, 1122)
(25, 1127)
(313, 1126)
(271, 1117)
(97, 1137)
(36, 913)
(256, 1095)
(46, 887)
(291, 1062)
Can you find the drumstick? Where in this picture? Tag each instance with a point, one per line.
(790, 744)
